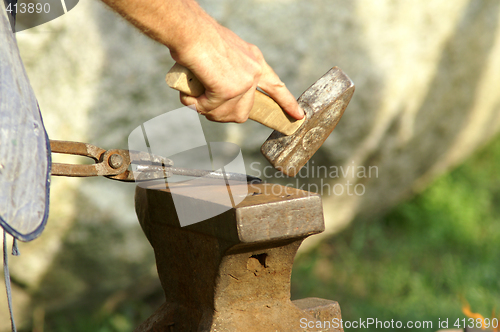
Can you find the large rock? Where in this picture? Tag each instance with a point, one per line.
(427, 82)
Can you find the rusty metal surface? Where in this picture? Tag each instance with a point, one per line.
(324, 103)
(101, 157)
(231, 272)
(270, 212)
(321, 309)
(113, 164)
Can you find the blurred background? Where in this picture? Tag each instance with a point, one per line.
(421, 240)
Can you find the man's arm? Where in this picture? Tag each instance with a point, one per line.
(229, 68)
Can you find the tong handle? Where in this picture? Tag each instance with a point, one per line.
(107, 162)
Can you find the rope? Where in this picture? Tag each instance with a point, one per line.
(15, 248)
(7, 278)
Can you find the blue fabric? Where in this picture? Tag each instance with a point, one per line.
(25, 157)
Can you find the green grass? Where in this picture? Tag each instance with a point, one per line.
(124, 318)
(419, 261)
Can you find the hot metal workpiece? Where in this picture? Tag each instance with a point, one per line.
(232, 272)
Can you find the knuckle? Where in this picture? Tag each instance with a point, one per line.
(201, 109)
(235, 91)
(240, 118)
(279, 84)
(255, 51)
(258, 72)
(211, 117)
(182, 98)
(258, 60)
(225, 95)
(273, 86)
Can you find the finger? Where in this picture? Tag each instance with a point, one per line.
(188, 100)
(234, 110)
(225, 112)
(216, 108)
(244, 105)
(272, 85)
(202, 105)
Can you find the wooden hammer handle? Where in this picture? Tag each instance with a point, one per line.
(265, 110)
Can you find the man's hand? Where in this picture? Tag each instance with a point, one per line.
(229, 68)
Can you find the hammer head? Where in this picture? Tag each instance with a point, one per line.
(324, 104)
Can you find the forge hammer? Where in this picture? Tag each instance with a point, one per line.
(293, 142)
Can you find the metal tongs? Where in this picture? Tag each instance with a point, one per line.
(115, 163)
